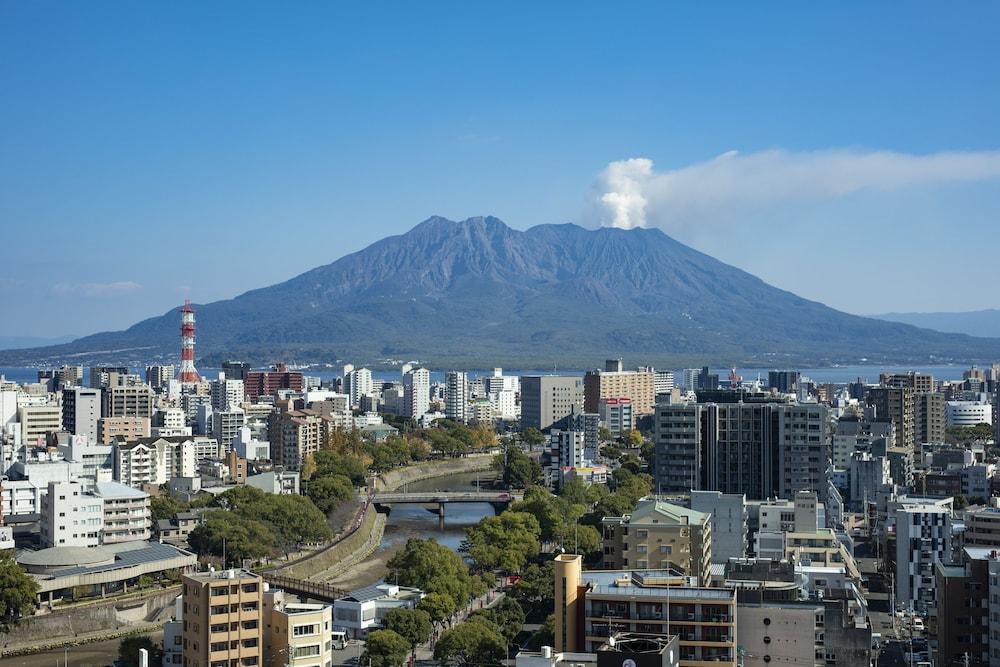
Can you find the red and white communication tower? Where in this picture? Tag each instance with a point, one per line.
(187, 372)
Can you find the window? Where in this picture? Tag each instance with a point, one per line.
(303, 630)
(306, 651)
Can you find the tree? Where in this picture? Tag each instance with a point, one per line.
(604, 434)
(476, 641)
(505, 542)
(519, 470)
(330, 462)
(229, 535)
(545, 636)
(507, 615)
(385, 648)
(433, 568)
(437, 605)
(413, 625)
(128, 651)
(540, 503)
(165, 507)
(532, 436)
(18, 592)
(308, 468)
(328, 492)
(536, 588)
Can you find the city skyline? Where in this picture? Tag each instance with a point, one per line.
(819, 151)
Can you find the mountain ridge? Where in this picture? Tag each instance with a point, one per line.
(450, 293)
(983, 322)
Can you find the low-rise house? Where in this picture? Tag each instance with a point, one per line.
(362, 610)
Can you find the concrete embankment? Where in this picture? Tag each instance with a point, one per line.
(90, 621)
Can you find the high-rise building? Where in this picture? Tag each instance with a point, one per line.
(102, 377)
(547, 399)
(295, 434)
(81, 408)
(923, 538)
(616, 415)
(928, 418)
(784, 382)
(128, 401)
(896, 403)
(920, 383)
(236, 370)
(267, 383)
(729, 522)
(689, 378)
(223, 619)
(416, 392)
(357, 384)
(456, 396)
(226, 425)
(159, 377)
(226, 393)
(636, 385)
(757, 449)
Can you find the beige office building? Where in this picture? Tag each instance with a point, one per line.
(37, 421)
(296, 634)
(126, 428)
(128, 401)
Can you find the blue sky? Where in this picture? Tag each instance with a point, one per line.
(150, 153)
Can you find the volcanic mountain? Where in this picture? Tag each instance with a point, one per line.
(477, 293)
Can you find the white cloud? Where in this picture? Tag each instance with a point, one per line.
(631, 193)
(97, 289)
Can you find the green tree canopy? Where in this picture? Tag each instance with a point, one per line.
(519, 470)
(477, 641)
(413, 625)
(505, 542)
(438, 606)
(18, 592)
(433, 568)
(507, 615)
(240, 538)
(128, 651)
(385, 648)
(536, 587)
(165, 507)
(329, 462)
(532, 436)
(330, 491)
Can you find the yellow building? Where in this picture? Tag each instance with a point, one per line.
(296, 634)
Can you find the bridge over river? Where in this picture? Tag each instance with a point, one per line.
(500, 500)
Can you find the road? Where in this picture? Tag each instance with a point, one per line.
(96, 654)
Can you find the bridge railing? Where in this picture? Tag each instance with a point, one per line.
(314, 589)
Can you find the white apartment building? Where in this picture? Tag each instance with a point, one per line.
(250, 448)
(456, 396)
(90, 456)
(358, 383)
(22, 497)
(173, 418)
(70, 516)
(416, 392)
(127, 516)
(226, 394)
(616, 415)
(154, 460)
(362, 610)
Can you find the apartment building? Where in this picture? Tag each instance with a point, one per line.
(616, 415)
(296, 634)
(591, 606)
(760, 449)
(456, 396)
(223, 619)
(110, 429)
(640, 386)
(81, 408)
(70, 517)
(928, 417)
(896, 403)
(729, 517)
(154, 460)
(416, 392)
(923, 529)
(128, 401)
(294, 434)
(662, 536)
(267, 383)
(127, 517)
